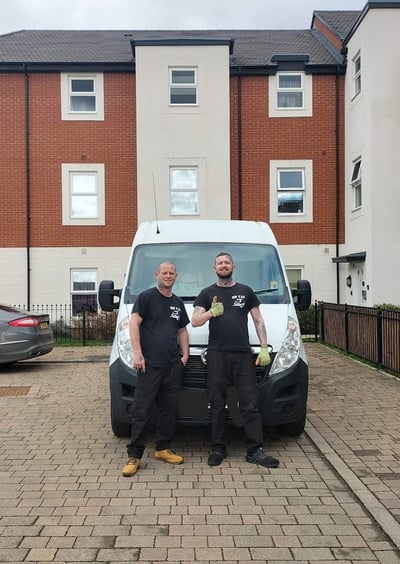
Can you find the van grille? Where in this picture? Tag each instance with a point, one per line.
(195, 374)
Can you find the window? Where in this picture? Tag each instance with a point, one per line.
(82, 96)
(290, 95)
(290, 90)
(290, 186)
(184, 191)
(357, 74)
(291, 191)
(356, 184)
(83, 194)
(182, 86)
(294, 274)
(83, 290)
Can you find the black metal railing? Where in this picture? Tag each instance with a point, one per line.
(81, 326)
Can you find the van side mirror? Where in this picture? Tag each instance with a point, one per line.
(106, 295)
(302, 295)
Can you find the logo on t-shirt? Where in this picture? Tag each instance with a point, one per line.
(175, 312)
(238, 301)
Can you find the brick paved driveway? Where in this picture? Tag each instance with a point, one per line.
(63, 499)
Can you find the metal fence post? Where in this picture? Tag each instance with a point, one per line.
(346, 327)
(84, 327)
(379, 335)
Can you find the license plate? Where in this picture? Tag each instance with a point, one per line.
(44, 324)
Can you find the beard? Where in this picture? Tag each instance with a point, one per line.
(225, 275)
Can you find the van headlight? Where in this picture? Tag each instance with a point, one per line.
(125, 350)
(290, 350)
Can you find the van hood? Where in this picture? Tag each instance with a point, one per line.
(275, 317)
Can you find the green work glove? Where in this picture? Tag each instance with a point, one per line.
(217, 308)
(263, 358)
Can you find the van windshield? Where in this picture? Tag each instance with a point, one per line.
(258, 266)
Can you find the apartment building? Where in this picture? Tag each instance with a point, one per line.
(101, 130)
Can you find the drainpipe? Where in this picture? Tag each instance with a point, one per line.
(337, 150)
(239, 124)
(28, 194)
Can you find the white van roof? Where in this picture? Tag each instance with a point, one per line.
(204, 230)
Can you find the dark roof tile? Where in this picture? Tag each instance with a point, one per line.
(251, 47)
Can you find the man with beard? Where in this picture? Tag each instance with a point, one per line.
(226, 305)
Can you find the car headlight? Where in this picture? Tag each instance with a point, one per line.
(125, 350)
(289, 352)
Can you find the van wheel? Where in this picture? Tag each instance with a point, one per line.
(295, 428)
(120, 428)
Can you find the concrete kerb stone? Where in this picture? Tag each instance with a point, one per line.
(374, 507)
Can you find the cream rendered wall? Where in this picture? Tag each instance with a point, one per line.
(183, 135)
(373, 132)
(317, 267)
(50, 271)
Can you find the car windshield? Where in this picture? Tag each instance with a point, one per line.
(258, 266)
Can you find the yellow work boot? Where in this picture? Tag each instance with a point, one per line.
(168, 455)
(131, 467)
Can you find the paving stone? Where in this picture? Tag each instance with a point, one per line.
(63, 499)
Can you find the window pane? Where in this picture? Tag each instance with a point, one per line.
(83, 183)
(356, 171)
(82, 85)
(290, 202)
(184, 202)
(182, 179)
(84, 302)
(290, 99)
(289, 81)
(183, 95)
(290, 179)
(293, 274)
(183, 76)
(83, 103)
(84, 277)
(84, 207)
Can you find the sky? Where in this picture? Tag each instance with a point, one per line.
(164, 14)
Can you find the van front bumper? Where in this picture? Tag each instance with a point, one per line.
(282, 396)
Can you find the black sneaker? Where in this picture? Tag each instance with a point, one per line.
(216, 457)
(259, 457)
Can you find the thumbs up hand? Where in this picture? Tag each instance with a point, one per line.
(217, 308)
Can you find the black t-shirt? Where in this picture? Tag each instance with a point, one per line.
(229, 332)
(162, 317)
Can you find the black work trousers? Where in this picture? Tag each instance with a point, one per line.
(236, 369)
(158, 386)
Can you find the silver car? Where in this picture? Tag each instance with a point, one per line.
(23, 334)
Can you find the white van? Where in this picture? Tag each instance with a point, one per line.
(192, 246)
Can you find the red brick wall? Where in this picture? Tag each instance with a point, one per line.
(53, 142)
(264, 139)
(334, 39)
(113, 142)
(12, 161)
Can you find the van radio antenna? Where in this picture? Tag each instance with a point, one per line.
(155, 204)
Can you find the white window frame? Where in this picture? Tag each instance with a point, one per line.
(174, 190)
(306, 167)
(78, 292)
(357, 74)
(98, 94)
(275, 111)
(356, 184)
(182, 85)
(67, 172)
